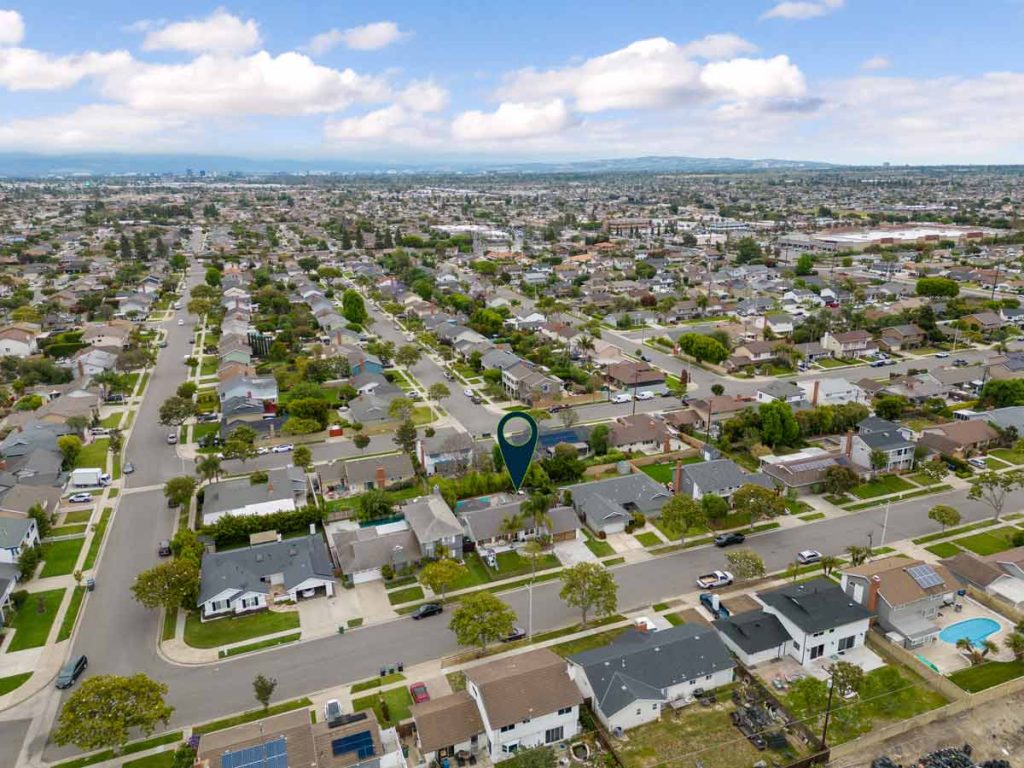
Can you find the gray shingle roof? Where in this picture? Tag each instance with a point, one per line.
(815, 606)
(722, 474)
(602, 500)
(753, 631)
(243, 569)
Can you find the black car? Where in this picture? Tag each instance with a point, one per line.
(427, 609)
(71, 672)
(727, 539)
(164, 548)
(517, 633)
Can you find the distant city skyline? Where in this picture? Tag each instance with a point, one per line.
(843, 81)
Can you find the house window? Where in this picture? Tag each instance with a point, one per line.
(796, 646)
(817, 651)
(554, 734)
(507, 728)
(510, 749)
(846, 643)
(526, 721)
(565, 710)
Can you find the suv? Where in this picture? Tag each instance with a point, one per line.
(71, 672)
(164, 548)
(726, 539)
(427, 609)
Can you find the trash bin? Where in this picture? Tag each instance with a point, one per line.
(341, 629)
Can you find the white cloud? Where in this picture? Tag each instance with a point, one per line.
(12, 28)
(260, 84)
(802, 9)
(369, 37)
(657, 73)
(391, 126)
(91, 127)
(24, 69)
(424, 96)
(513, 121)
(876, 63)
(220, 32)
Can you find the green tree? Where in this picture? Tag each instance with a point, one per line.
(481, 619)
(175, 411)
(408, 355)
(405, 436)
(208, 468)
(187, 390)
(934, 470)
(598, 440)
(240, 444)
(891, 407)
(778, 425)
(353, 308)
(758, 502)
(360, 441)
(804, 265)
(375, 504)
(440, 575)
(808, 698)
(105, 709)
(944, 515)
(302, 457)
(680, 514)
(401, 409)
(747, 250)
(857, 554)
(847, 677)
(589, 587)
(879, 459)
(714, 507)
(993, 487)
(1014, 643)
(840, 480)
(701, 348)
(179, 490)
(717, 390)
(830, 563)
(70, 447)
(263, 689)
(745, 564)
(1002, 393)
(212, 277)
(937, 286)
(42, 518)
(438, 391)
(565, 465)
(170, 585)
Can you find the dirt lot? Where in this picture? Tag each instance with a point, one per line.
(995, 730)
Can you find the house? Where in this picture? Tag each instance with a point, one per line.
(19, 499)
(755, 637)
(718, 408)
(642, 433)
(776, 324)
(897, 451)
(985, 323)
(372, 407)
(242, 580)
(436, 528)
(447, 452)
(906, 595)
(832, 392)
(721, 477)
(899, 337)
(114, 335)
(448, 725)
(959, 438)
(629, 681)
(805, 471)
(632, 374)
(607, 505)
(752, 353)
(848, 344)
(821, 620)
(16, 535)
(484, 521)
(522, 382)
(360, 475)
(362, 553)
(780, 392)
(1000, 575)
(284, 491)
(260, 389)
(18, 341)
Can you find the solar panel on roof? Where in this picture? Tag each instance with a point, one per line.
(361, 743)
(270, 754)
(925, 576)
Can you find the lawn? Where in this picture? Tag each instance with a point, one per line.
(68, 530)
(476, 573)
(396, 701)
(60, 557)
(93, 455)
(923, 480)
(32, 627)
(599, 547)
(986, 675)
(944, 549)
(662, 473)
(881, 486)
(252, 714)
(812, 517)
(113, 421)
(159, 760)
(208, 366)
(8, 684)
(205, 429)
(597, 640)
(271, 643)
(797, 507)
(212, 634)
(67, 624)
(423, 415)
(513, 564)
(1007, 455)
(830, 362)
(97, 539)
(989, 542)
(77, 516)
(406, 595)
(647, 539)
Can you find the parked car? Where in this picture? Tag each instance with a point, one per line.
(286, 448)
(960, 363)
(644, 395)
(71, 671)
(728, 539)
(419, 693)
(164, 548)
(714, 579)
(427, 609)
(467, 392)
(162, 343)
(181, 321)
(622, 397)
(806, 556)
(332, 712)
(208, 417)
(80, 498)
(517, 633)
(476, 400)
(878, 364)
(172, 438)
(262, 450)
(128, 468)
(978, 462)
(942, 354)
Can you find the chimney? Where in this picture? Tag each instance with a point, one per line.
(814, 396)
(849, 443)
(666, 444)
(381, 477)
(872, 604)
(677, 478)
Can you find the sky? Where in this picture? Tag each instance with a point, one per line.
(844, 81)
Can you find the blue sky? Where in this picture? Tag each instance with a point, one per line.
(859, 81)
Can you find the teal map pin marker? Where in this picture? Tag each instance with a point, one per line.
(517, 457)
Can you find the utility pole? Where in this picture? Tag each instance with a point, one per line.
(885, 523)
(828, 711)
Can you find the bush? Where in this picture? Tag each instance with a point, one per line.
(387, 572)
(233, 529)
(18, 598)
(258, 478)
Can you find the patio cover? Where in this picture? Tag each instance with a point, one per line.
(916, 628)
(1009, 589)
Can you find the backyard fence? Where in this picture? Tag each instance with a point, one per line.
(896, 654)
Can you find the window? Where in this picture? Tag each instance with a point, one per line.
(796, 646)
(565, 710)
(526, 721)
(817, 651)
(846, 643)
(507, 728)
(510, 749)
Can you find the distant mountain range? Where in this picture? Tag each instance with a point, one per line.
(20, 165)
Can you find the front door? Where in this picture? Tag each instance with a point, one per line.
(817, 651)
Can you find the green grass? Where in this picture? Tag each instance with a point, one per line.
(597, 640)
(599, 547)
(208, 367)
(112, 421)
(881, 486)
(423, 415)
(97, 539)
(129, 749)
(662, 473)
(476, 573)
(217, 632)
(8, 684)
(974, 679)
(611, 561)
(811, 517)
(674, 619)
(167, 630)
(93, 455)
(989, 542)
(252, 714)
(922, 479)
(68, 530)
(944, 549)
(1007, 455)
(398, 702)
(32, 628)
(77, 516)
(115, 492)
(159, 760)
(60, 557)
(377, 682)
(513, 564)
(647, 539)
(205, 429)
(353, 623)
(902, 497)
(271, 643)
(406, 595)
(67, 625)
(953, 532)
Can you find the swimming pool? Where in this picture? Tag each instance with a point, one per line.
(975, 630)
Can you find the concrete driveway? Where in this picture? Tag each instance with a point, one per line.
(572, 552)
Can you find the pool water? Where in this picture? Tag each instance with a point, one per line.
(975, 630)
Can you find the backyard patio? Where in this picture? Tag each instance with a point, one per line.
(944, 656)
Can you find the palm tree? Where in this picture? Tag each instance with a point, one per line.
(535, 509)
(1015, 644)
(858, 554)
(208, 468)
(511, 526)
(975, 653)
(829, 563)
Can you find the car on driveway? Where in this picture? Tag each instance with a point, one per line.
(332, 711)
(728, 539)
(419, 693)
(80, 498)
(427, 609)
(286, 448)
(71, 672)
(644, 395)
(806, 556)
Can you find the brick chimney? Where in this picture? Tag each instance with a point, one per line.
(814, 395)
(381, 477)
(849, 443)
(677, 478)
(872, 604)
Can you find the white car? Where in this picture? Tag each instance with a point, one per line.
(79, 498)
(622, 397)
(286, 448)
(467, 392)
(644, 395)
(181, 321)
(806, 556)
(262, 451)
(942, 354)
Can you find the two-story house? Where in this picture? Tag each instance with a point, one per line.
(897, 450)
(848, 344)
(435, 525)
(16, 535)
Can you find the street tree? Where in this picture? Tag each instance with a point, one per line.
(440, 575)
(240, 444)
(438, 391)
(993, 487)
(568, 417)
(408, 355)
(829, 563)
(179, 490)
(680, 514)
(208, 468)
(302, 456)
(187, 390)
(105, 709)
(717, 389)
(175, 411)
(745, 564)
(170, 585)
(944, 515)
(758, 502)
(360, 441)
(591, 588)
(858, 554)
(263, 688)
(70, 447)
(934, 470)
(481, 619)
(401, 409)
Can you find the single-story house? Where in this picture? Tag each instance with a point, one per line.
(285, 490)
(607, 505)
(721, 477)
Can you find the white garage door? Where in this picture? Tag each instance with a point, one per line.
(364, 576)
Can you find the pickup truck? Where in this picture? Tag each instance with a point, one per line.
(715, 608)
(714, 579)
